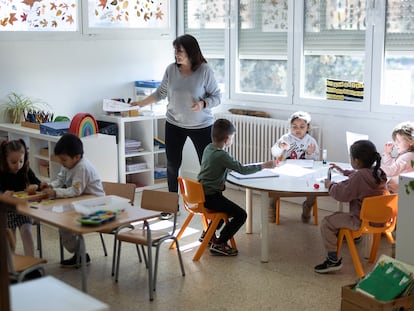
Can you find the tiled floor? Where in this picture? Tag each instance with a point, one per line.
(286, 282)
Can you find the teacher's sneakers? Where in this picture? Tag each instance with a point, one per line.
(329, 265)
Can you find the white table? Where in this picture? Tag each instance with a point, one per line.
(293, 180)
(48, 293)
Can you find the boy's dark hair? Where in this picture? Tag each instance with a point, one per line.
(366, 152)
(13, 146)
(69, 144)
(222, 129)
(191, 46)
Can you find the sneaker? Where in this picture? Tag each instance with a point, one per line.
(72, 262)
(329, 265)
(213, 239)
(166, 216)
(306, 212)
(222, 249)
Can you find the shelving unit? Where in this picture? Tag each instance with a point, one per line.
(100, 149)
(140, 166)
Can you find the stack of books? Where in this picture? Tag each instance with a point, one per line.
(132, 146)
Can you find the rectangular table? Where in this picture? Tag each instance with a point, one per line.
(67, 220)
(48, 293)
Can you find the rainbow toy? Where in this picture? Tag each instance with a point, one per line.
(83, 124)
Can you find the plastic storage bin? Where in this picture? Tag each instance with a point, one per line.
(143, 88)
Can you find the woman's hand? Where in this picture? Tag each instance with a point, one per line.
(137, 103)
(49, 193)
(198, 105)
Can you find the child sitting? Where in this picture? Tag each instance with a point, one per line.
(298, 144)
(76, 177)
(215, 164)
(367, 179)
(402, 135)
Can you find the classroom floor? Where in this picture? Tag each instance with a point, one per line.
(286, 282)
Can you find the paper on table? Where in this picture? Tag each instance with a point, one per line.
(300, 162)
(117, 106)
(266, 172)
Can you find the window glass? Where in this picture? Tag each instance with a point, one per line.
(36, 15)
(334, 44)
(206, 20)
(128, 14)
(399, 54)
(262, 47)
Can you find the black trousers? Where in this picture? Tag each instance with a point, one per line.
(218, 202)
(175, 138)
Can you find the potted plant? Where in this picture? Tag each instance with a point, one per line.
(17, 106)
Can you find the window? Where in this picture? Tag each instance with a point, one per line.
(128, 14)
(36, 15)
(399, 54)
(206, 20)
(262, 47)
(333, 44)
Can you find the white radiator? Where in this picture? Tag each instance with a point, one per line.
(255, 136)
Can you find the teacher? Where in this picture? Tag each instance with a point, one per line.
(192, 90)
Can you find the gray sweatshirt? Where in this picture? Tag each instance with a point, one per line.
(182, 92)
(81, 179)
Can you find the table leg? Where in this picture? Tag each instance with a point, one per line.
(249, 221)
(265, 201)
(82, 253)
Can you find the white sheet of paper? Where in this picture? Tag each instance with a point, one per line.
(266, 172)
(300, 162)
(110, 105)
(353, 137)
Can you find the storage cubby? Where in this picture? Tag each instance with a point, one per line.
(99, 149)
(141, 158)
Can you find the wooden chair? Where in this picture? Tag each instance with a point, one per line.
(20, 265)
(157, 201)
(314, 210)
(193, 196)
(378, 216)
(124, 190)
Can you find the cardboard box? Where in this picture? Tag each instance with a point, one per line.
(356, 301)
(44, 152)
(44, 171)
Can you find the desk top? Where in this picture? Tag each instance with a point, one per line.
(67, 219)
(292, 179)
(48, 293)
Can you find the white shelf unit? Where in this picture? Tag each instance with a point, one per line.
(99, 149)
(142, 129)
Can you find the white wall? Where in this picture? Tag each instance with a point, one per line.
(75, 75)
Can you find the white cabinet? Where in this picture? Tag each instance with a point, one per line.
(404, 250)
(100, 149)
(146, 165)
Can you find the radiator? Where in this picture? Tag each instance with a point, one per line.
(255, 136)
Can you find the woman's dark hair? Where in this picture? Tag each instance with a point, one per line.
(69, 144)
(190, 45)
(366, 152)
(8, 147)
(222, 128)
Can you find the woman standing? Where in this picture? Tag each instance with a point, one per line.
(192, 90)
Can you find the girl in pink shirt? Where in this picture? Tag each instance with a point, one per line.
(402, 135)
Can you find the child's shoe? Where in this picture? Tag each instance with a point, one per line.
(214, 238)
(222, 249)
(73, 262)
(329, 265)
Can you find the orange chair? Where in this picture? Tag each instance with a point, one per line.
(193, 196)
(315, 210)
(378, 215)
